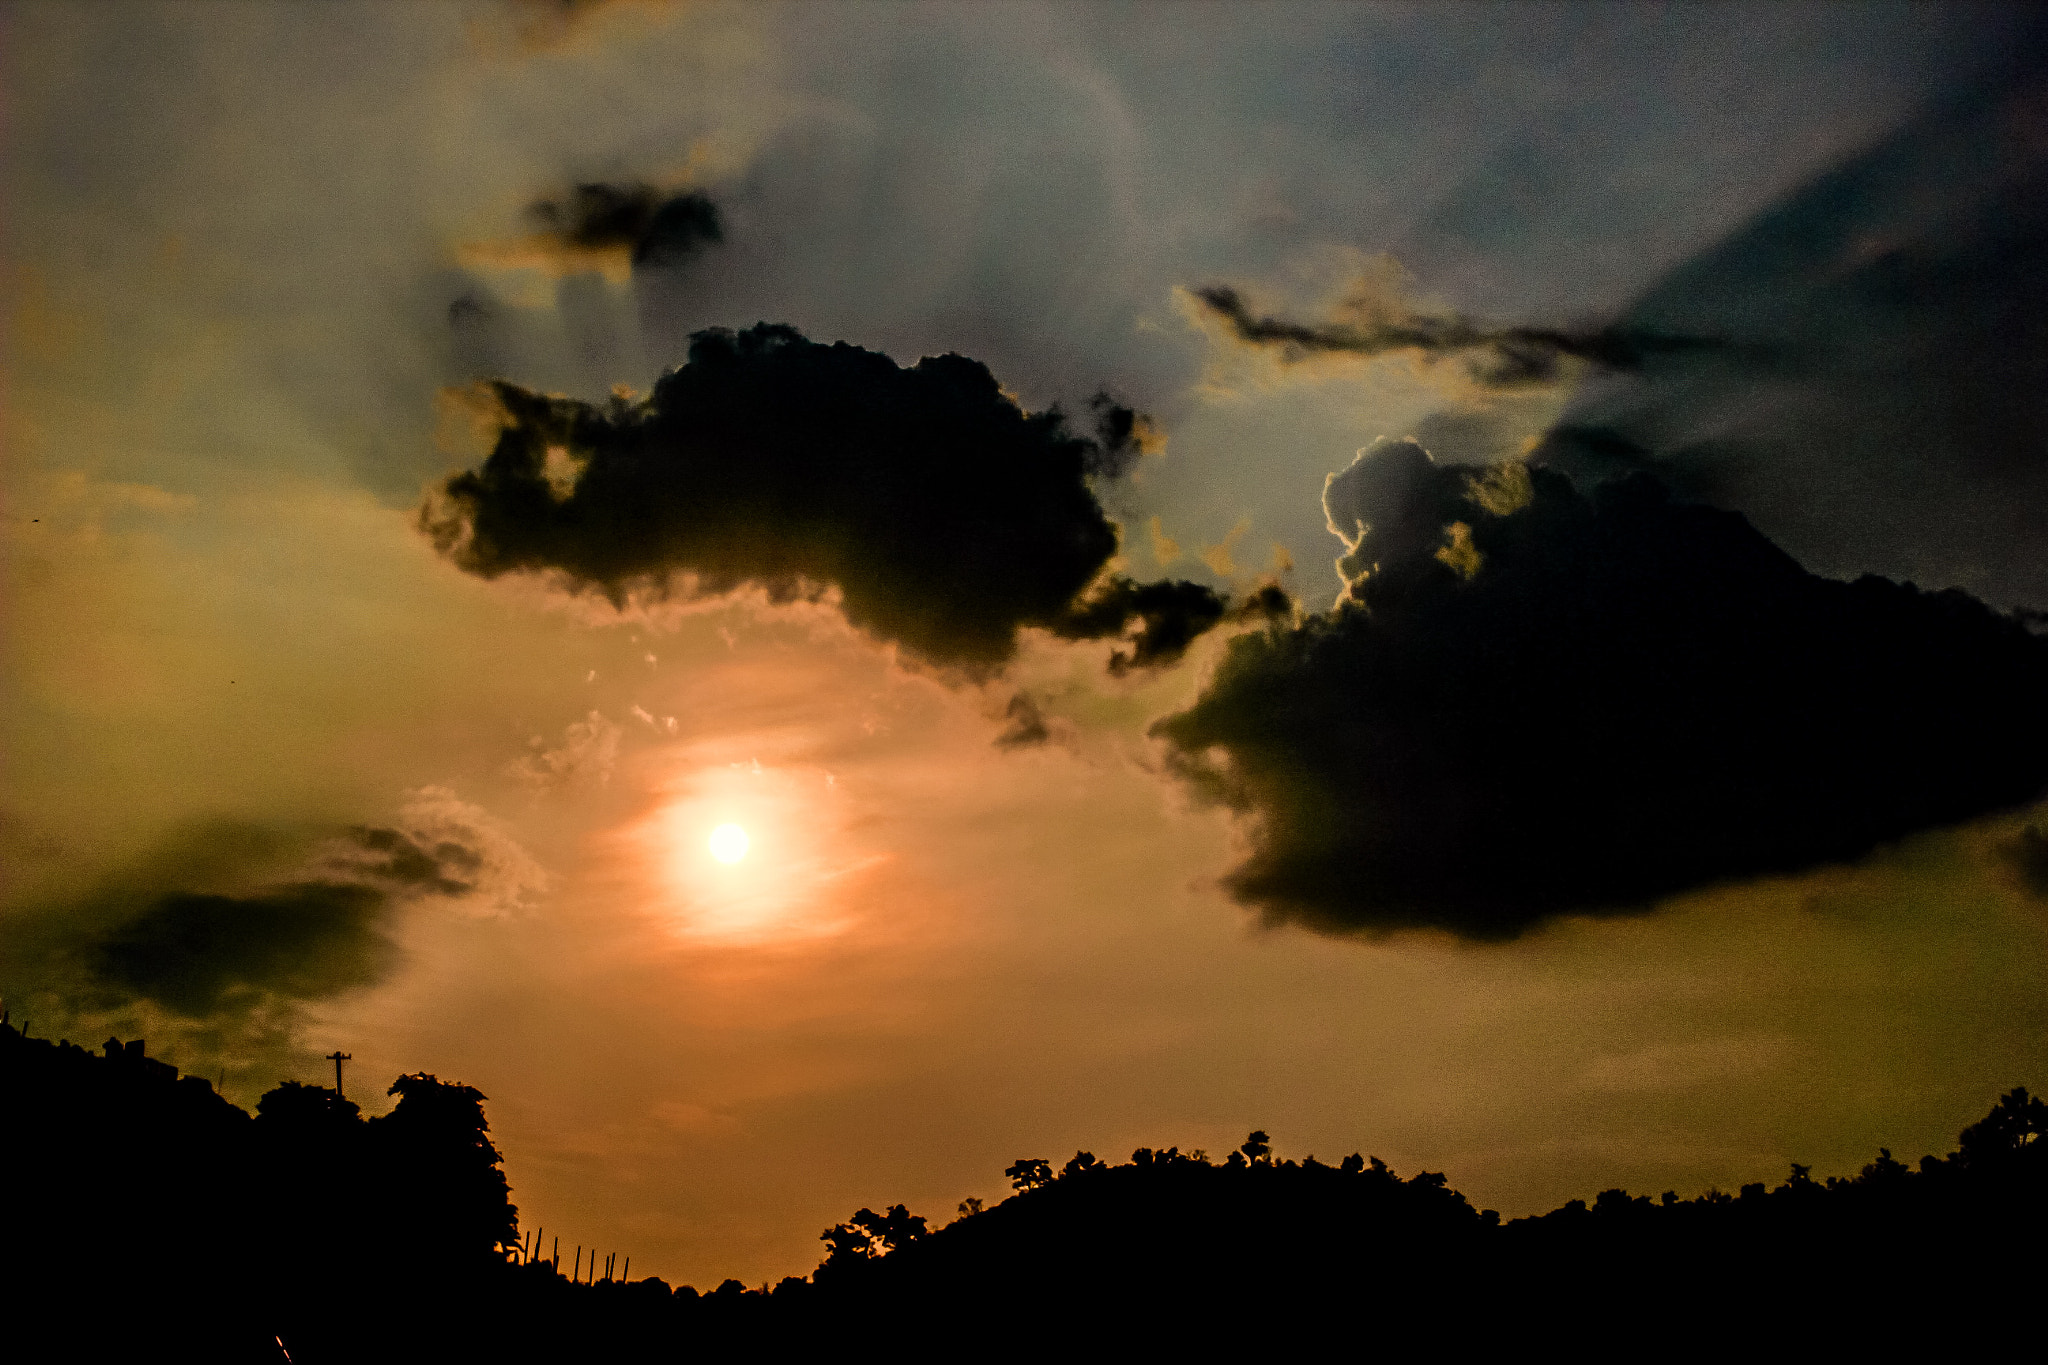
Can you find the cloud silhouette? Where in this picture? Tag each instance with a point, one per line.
(404, 861)
(1027, 724)
(1530, 702)
(946, 516)
(192, 951)
(612, 229)
(1498, 357)
(1169, 615)
(218, 941)
(657, 229)
(227, 920)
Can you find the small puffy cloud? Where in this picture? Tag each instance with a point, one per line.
(1122, 434)
(1026, 724)
(468, 841)
(654, 228)
(945, 518)
(585, 756)
(1532, 702)
(399, 860)
(1160, 620)
(608, 229)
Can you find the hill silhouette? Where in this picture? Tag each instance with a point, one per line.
(143, 1215)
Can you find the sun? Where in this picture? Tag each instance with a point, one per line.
(729, 843)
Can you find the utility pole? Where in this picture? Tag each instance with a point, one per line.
(338, 1057)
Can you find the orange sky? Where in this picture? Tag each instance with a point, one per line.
(231, 251)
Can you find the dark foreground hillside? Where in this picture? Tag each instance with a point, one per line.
(143, 1217)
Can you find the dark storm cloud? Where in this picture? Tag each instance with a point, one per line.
(656, 228)
(1534, 702)
(1906, 431)
(229, 917)
(197, 951)
(1500, 357)
(193, 952)
(946, 515)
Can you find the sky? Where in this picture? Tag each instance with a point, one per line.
(1287, 566)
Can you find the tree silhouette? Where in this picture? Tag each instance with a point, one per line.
(2012, 1128)
(1082, 1163)
(346, 1239)
(441, 1170)
(869, 1236)
(307, 1111)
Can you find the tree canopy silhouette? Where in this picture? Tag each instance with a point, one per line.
(395, 1238)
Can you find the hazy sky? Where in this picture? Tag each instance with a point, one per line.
(285, 774)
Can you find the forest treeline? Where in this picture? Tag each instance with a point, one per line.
(142, 1212)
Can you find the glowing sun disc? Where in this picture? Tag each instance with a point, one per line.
(729, 843)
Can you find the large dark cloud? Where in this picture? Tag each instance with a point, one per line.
(1531, 701)
(1501, 357)
(947, 516)
(1903, 426)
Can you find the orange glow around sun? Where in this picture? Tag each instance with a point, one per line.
(729, 843)
(739, 851)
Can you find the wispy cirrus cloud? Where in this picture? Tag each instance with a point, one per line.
(1496, 357)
